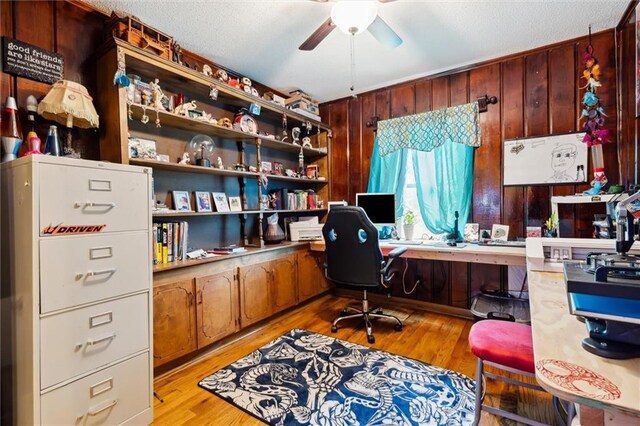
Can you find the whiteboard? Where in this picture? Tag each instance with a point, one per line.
(551, 159)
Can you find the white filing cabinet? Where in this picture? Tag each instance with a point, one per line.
(76, 264)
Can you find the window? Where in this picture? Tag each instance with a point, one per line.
(410, 196)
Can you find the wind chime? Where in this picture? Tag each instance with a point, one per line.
(595, 133)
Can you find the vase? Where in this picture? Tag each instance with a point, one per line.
(274, 233)
(408, 231)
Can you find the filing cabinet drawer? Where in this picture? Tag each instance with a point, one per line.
(85, 339)
(71, 196)
(82, 269)
(110, 396)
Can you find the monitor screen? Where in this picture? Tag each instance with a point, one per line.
(380, 207)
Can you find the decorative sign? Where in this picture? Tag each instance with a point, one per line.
(26, 60)
(71, 229)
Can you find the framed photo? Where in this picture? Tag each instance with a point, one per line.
(220, 201)
(278, 169)
(181, 201)
(265, 166)
(142, 148)
(311, 172)
(471, 232)
(534, 231)
(235, 204)
(499, 232)
(203, 201)
(194, 113)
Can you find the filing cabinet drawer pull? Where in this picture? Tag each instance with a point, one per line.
(90, 204)
(100, 252)
(99, 185)
(105, 408)
(102, 339)
(96, 389)
(100, 319)
(110, 271)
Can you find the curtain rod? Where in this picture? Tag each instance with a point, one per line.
(483, 103)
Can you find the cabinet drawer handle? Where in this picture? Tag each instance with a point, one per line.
(110, 271)
(105, 408)
(102, 339)
(89, 204)
(100, 252)
(95, 389)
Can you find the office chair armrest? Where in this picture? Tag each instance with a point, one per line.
(397, 252)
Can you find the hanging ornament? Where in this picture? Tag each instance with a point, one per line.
(592, 111)
(120, 78)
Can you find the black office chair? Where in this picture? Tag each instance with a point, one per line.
(354, 261)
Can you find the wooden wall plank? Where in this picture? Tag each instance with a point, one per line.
(355, 149)
(6, 29)
(627, 78)
(536, 109)
(368, 103)
(403, 100)
(423, 96)
(339, 150)
(459, 89)
(487, 184)
(440, 93)
(562, 118)
(513, 127)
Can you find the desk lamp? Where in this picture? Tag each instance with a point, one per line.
(69, 103)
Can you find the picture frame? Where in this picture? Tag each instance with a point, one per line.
(499, 232)
(265, 167)
(194, 113)
(235, 204)
(181, 201)
(142, 148)
(203, 201)
(471, 232)
(220, 201)
(534, 231)
(311, 172)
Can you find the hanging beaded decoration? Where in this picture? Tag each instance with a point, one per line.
(120, 78)
(158, 119)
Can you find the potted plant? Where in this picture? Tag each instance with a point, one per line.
(409, 219)
(551, 226)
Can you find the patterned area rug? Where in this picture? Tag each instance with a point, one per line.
(307, 378)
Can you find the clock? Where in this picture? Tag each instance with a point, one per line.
(244, 122)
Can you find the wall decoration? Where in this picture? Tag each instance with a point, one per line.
(220, 201)
(552, 159)
(26, 60)
(203, 202)
(181, 201)
(499, 232)
(471, 231)
(235, 204)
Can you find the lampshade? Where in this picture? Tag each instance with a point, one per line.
(353, 17)
(69, 103)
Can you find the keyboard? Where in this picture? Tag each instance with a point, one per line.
(503, 243)
(405, 242)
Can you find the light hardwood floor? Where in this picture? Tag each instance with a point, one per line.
(433, 338)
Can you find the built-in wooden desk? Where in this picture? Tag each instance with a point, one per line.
(568, 371)
(473, 253)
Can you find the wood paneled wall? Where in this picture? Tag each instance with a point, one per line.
(539, 92)
(74, 32)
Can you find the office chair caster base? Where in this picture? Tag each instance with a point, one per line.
(334, 329)
(371, 339)
(397, 327)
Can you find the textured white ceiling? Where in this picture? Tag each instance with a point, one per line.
(260, 38)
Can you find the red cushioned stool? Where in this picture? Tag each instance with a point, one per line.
(509, 347)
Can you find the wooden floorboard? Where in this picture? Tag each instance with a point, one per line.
(433, 338)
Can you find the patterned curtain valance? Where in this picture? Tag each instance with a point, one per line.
(429, 130)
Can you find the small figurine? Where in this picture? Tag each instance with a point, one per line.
(295, 134)
(225, 122)
(222, 75)
(177, 53)
(185, 159)
(213, 92)
(157, 95)
(184, 109)
(306, 142)
(255, 92)
(206, 70)
(234, 82)
(220, 165)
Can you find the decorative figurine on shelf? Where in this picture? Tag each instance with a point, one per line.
(245, 84)
(185, 159)
(177, 54)
(158, 95)
(225, 122)
(184, 108)
(234, 82)
(295, 134)
(219, 163)
(213, 92)
(551, 226)
(592, 110)
(306, 142)
(222, 75)
(206, 70)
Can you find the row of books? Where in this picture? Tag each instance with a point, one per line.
(295, 200)
(170, 242)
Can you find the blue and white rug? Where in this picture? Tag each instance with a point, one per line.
(306, 378)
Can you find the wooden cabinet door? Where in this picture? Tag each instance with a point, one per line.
(174, 321)
(284, 283)
(216, 307)
(255, 298)
(311, 279)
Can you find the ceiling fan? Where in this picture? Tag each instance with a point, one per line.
(353, 17)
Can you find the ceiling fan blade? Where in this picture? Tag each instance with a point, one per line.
(318, 35)
(384, 34)
(384, 1)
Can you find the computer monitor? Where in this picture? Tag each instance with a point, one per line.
(379, 207)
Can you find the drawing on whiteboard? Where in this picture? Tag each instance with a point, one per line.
(551, 159)
(563, 157)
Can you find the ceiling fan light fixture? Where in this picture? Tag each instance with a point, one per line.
(353, 16)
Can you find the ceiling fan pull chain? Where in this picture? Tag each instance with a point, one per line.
(353, 63)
